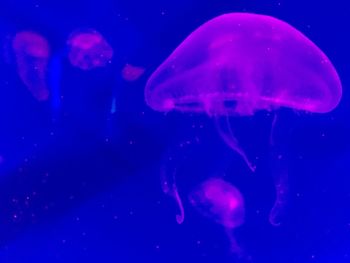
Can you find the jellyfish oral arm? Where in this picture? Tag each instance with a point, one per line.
(281, 198)
(169, 188)
(234, 247)
(225, 131)
(179, 217)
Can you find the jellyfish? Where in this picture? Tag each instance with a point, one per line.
(129, 73)
(32, 52)
(221, 202)
(238, 64)
(132, 73)
(88, 49)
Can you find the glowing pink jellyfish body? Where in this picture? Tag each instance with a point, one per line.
(237, 64)
(88, 49)
(32, 53)
(132, 73)
(221, 202)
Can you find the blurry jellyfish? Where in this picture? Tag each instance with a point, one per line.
(32, 52)
(237, 64)
(221, 202)
(129, 73)
(88, 49)
(132, 73)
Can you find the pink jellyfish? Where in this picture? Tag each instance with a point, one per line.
(131, 73)
(32, 52)
(221, 202)
(88, 49)
(240, 63)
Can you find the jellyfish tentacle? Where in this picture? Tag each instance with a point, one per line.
(225, 131)
(272, 132)
(281, 199)
(168, 184)
(279, 169)
(234, 246)
(181, 216)
(237, 252)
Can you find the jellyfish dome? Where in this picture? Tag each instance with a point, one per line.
(239, 63)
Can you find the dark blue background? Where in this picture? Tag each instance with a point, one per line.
(84, 185)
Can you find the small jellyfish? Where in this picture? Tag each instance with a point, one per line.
(237, 64)
(32, 52)
(132, 73)
(221, 202)
(88, 49)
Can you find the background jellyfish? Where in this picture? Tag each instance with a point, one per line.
(240, 63)
(88, 49)
(132, 73)
(221, 202)
(129, 73)
(32, 52)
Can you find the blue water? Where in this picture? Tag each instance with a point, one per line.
(80, 174)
